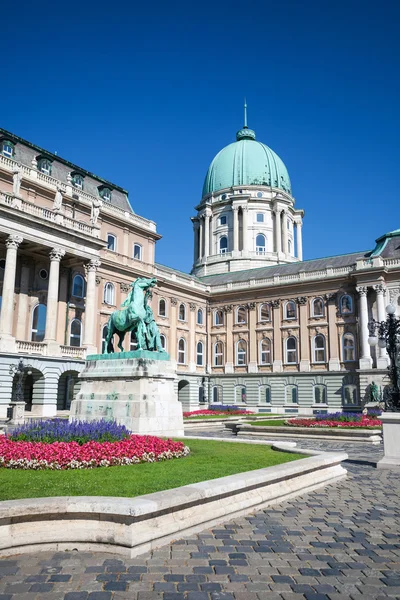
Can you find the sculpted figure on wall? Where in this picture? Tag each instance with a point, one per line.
(96, 205)
(58, 200)
(17, 178)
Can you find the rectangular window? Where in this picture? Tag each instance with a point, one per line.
(291, 394)
(137, 252)
(7, 150)
(260, 218)
(350, 395)
(320, 394)
(222, 220)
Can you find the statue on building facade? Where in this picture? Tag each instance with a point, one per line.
(135, 316)
(58, 200)
(96, 205)
(17, 178)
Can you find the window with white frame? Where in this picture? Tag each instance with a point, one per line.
(163, 341)
(105, 193)
(181, 352)
(346, 304)
(350, 396)
(78, 286)
(240, 394)
(320, 395)
(319, 353)
(77, 180)
(137, 251)
(260, 217)
(265, 352)
(111, 242)
(218, 317)
(265, 312)
(291, 350)
(349, 350)
(241, 353)
(218, 354)
(260, 243)
(222, 220)
(291, 395)
(109, 294)
(217, 394)
(200, 319)
(289, 245)
(241, 315)
(7, 148)
(44, 166)
(104, 333)
(199, 354)
(162, 308)
(75, 333)
(38, 323)
(223, 244)
(133, 344)
(290, 310)
(182, 312)
(317, 307)
(264, 394)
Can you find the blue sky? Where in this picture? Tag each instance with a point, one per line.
(145, 96)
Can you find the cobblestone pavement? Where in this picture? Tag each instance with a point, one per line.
(338, 543)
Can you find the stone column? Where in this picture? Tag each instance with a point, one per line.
(206, 235)
(382, 360)
(89, 329)
(201, 247)
(278, 232)
(212, 242)
(253, 358)
(235, 210)
(151, 250)
(299, 240)
(192, 341)
(277, 364)
(7, 341)
(304, 345)
(50, 336)
(365, 358)
(196, 226)
(229, 355)
(23, 299)
(334, 360)
(245, 232)
(285, 233)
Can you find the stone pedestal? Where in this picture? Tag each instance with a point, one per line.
(17, 413)
(136, 389)
(391, 441)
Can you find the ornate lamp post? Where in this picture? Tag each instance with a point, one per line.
(19, 370)
(388, 337)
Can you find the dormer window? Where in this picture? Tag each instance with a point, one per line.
(7, 148)
(77, 180)
(44, 165)
(105, 193)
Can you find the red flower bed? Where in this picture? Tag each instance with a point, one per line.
(224, 413)
(71, 455)
(364, 422)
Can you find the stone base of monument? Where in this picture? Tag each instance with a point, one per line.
(136, 389)
(391, 437)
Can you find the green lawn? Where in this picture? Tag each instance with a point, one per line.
(271, 423)
(206, 417)
(208, 460)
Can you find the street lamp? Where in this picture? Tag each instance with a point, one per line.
(18, 370)
(388, 337)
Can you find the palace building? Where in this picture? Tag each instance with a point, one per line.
(253, 324)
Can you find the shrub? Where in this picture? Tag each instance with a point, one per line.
(57, 430)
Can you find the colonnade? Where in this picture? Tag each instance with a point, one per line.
(365, 349)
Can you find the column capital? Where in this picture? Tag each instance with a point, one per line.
(380, 288)
(362, 290)
(92, 265)
(244, 207)
(57, 253)
(196, 224)
(235, 207)
(14, 240)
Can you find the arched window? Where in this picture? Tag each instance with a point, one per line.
(111, 242)
(317, 307)
(241, 353)
(265, 312)
(137, 251)
(217, 396)
(78, 286)
(181, 352)
(163, 341)
(350, 395)
(290, 310)
(291, 396)
(182, 312)
(320, 396)
(349, 353)
(104, 333)
(38, 323)
(319, 349)
(162, 308)
(218, 317)
(265, 352)
(240, 393)
(260, 243)
(75, 333)
(109, 294)
(218, 354)
(264, 394)
(133, 342)
(346, 304)
(199, 317)
(199, 354)
(223, 244)
(291, 350)
(241, 315)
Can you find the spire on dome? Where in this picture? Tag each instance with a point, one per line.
(245, 114)
(245, 133)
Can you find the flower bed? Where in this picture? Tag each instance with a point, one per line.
(56, 430)
(224, 413)
(361, 423)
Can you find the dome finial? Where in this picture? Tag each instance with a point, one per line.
(245, 133)
(245, 113)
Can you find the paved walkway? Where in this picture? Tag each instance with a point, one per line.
(338, 543)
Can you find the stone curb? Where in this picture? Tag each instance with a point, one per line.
(373, 436)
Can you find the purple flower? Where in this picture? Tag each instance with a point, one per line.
(58, 430)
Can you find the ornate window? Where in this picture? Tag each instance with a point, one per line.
(218, 354)
(291, 395)
(222, 220)
(109, 294)
(200, 317)
(265, 352)
(265, 312)
(260, 217)
(240, 393)
(346, 305)
(223, 244)
(181, 352)
(291, 350)
(241, 315)
(290, 310)
(77, 180)
(320, 395)
(199, 354)
(182, 312)
(38, 323)
(217, 394)
(241, 353)
(264, 394)
(317, 307)
(163, 341)
(7, 148)
(260, 243)
(44, 166)
(137, 251)
(218, 317)
(350, 396)
(78, 286)
(111, 242)
(133, 342)
(319, 349)
(75, 333)
(349, 350)
(104, 333)
(162, 308)
(105, 193)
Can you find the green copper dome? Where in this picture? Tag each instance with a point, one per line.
(246, 162)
